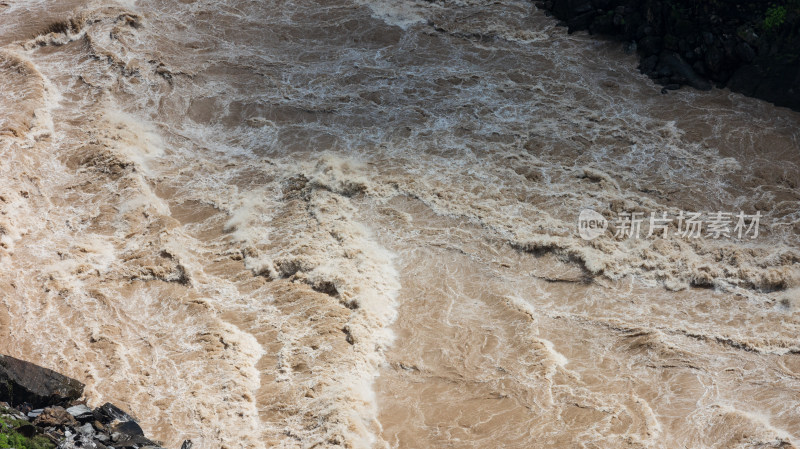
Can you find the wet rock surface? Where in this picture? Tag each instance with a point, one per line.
(23, 382)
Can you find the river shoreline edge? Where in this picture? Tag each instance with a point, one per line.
(749, 48)
(43, 409)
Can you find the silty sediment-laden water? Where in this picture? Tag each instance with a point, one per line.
(317, 224)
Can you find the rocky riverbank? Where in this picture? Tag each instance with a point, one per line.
(42, 409)
(749, 47)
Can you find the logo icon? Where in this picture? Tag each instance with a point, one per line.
(591, 224)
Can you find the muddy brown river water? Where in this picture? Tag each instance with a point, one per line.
(354, 223)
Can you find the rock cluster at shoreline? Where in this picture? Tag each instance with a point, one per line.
(42, 409)
(750, 47)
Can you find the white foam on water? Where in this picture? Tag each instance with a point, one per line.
(557, 356)
(346, 258)
(399, 14)
(134, 139)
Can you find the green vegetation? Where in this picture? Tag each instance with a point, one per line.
(10, 438)
(774, 18)
(17, 441)
(784, 13)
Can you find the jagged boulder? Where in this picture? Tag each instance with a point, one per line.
(55, 417)
(109, 412)
(24, 382)
(81, 412)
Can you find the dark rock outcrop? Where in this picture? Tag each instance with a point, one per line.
(680, 72)
(750, 47)
(109, 412)
(24, 382)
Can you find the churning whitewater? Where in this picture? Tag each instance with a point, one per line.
(354, 223)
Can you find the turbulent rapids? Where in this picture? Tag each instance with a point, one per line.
(354, 223)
